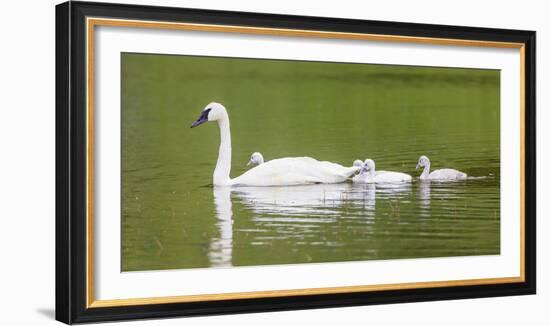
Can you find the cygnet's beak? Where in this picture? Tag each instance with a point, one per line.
(249, 162)
(417, 166)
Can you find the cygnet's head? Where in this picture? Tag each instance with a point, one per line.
(368, 165)
(256, 159)
(212, 112)
(422, 162)
(358, 163)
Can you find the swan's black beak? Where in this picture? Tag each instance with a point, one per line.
(202, 119)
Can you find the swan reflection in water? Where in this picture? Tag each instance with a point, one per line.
(321, 200)
(441, 195)
(424, 197)
(221, 248)
(296, 205)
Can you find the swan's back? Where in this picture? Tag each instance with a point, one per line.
(382, 177)
(392, 177)
(447, 174)
(295, 171)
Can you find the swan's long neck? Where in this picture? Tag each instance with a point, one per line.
(223, 167)
(426, 171)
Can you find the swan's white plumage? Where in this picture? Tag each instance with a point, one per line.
(294, 171)
(370, 175)
(438, 175)
(277, 172)
(256, 159)
(358, 163)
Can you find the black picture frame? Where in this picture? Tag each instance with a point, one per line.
(71, 158)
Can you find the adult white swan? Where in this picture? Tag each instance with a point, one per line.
(278, 172)
(370, 175)
(441, 175)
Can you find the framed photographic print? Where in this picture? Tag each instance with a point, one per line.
(221, 162)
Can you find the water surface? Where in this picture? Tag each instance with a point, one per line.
(172, 216)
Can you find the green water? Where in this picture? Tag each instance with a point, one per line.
(172, 216)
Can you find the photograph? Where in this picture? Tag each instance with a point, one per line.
(231, 161)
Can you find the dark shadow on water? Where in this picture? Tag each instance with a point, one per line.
(46, 312)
